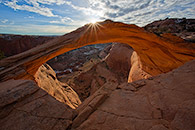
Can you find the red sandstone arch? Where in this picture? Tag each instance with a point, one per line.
(157, 54)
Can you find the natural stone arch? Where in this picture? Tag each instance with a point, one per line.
(157, 54)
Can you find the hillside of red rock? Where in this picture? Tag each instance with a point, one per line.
(15, 44)
(184, 28)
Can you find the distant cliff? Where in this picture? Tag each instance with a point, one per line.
(15, 44)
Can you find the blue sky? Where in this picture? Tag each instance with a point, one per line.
(57, 17)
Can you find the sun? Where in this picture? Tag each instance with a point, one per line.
(93, 21)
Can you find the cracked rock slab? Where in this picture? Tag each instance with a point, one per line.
(24, 106)
(163, 102)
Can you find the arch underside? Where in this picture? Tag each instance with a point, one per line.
(157, 54)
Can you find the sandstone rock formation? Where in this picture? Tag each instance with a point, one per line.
(166, 101)
(184, 28)
(163, 102)
(119, 60)
(115, 67)
(24, 106)
(15, 44)
(46, 79)
(157, 54)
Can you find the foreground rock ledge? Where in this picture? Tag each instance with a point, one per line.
(24, 106)
(158, 103)
(163, 102)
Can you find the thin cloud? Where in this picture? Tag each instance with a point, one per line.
(4, 21)
(63, 20)
(139, 12)
(31, 6)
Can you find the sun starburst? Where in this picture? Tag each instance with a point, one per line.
(94, 28)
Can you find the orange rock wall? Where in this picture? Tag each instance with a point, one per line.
(157, 54)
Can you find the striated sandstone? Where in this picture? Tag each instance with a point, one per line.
(47, 80)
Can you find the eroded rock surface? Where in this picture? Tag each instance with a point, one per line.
(24, 106)
(47, 80)
(163, 102)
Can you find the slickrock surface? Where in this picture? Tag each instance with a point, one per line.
(46, 79)
(157, 54)
(24, 106)
(163, 102)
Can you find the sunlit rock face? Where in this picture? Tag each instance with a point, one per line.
(157, 54)
(46, 79)
(136, 72)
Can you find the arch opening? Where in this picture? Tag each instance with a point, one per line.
(85, 70)
(157, 54)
